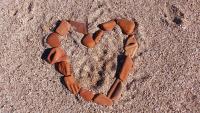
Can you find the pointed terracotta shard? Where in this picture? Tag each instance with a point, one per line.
(101, 99)
(64, 68)
(53, 40)
(98, 35)
(88, 41)
(86, 94)
(108, 26)
(126, 26)
(127, 65)
(56, 55)
(71, 84)
(115, 91)
(63, 28)
(79, 27)
(131, 46)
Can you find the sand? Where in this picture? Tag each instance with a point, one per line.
(166, 77)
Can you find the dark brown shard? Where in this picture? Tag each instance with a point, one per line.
(128, 64)
(116, 90)
(86, 94)
(79, 27)
(53, 40)
(101, 99)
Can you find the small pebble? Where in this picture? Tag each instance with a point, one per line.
(101, 99)
(86, 94)
(53, 40)
(108, 26)
(126, 26)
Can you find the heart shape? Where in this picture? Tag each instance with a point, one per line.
(58, 57)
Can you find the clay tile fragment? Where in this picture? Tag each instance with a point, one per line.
(88, 41)
(64, 68)
(53, 40)
(127, 65)
(86, 94)
(71, 84)
(79, 27)
(116, 90)
(101, 99)
(108, 26)
(98, 35)
(56, 55)
(131, 46)
(126, 26)
(63, 28)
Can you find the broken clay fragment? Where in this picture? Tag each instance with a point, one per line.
(101, 99)
(53, 40)
(71, 84)
(116, 90)
(126, 26)
(79, 27)
(127, 65)
(64, 68)
(88, 41)
(108, 26)
(63, 28)
(98, 35)
(131, 46)
(56, 55)
(86, 94)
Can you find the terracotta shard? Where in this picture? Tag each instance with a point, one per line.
(88, 41)
(108, 26)
(56, 55)
(86, 94)
(131, 46)
(98, 35)
(102, 100)
(116, 90)
(71, 84)
(53, 40)
(126, 25)
(128, 64)
(64, 68)
(79, 27)
(63, 28)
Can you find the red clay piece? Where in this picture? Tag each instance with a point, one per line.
(64, 68)
(128, 64)
(63, 28)
(88, 41)
(98, 35)
(56, 55)
(131, 46)
(86, 94)
(71, 84)
(53, 40)
(79, 27)
(126, 25)
(116, 90)
(108, 26)
(101, 99)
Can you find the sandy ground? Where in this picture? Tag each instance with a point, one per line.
(167, 73)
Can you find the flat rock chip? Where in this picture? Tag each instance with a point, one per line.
(88, 41)
(98, 35)
(86, 94)
(79, 27)
(116, 89)
(108, 26)
(64, 68)
(126, 26)
(53, 40)
(102, 100)
(127, 65)
(56, 55)
(63, 28)
(131, 46)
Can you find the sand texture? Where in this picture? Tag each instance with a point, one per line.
(166, 78)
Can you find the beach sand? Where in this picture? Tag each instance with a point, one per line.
(166, 77)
